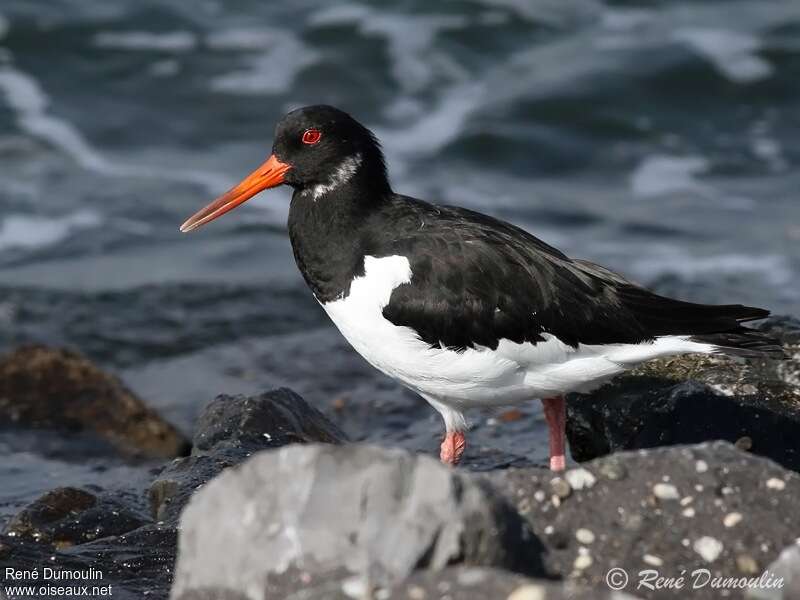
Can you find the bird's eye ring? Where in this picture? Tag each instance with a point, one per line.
(311, 136)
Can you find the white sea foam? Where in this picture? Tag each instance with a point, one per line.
(173, 41)
(410, 40)
(662, 174)
(30, 231)
(24, 96)
(733, 53)
(272, 70)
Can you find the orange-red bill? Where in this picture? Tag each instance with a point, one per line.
(269, 174)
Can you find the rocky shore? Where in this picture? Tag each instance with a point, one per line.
(271, 500)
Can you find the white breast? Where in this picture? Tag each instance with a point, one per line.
(509, 374)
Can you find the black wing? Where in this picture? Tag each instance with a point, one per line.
(477, 280)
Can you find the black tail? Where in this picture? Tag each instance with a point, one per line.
(744, 342)
(719, 325)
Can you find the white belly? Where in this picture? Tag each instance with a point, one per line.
(509, 374)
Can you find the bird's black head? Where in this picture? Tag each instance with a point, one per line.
(317, 150)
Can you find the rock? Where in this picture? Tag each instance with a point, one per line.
(68, 516)
(334, 511)
(229, 430)
(276, 418)
(787, 568)
(47, 388)
(755, 404)
(634, 530)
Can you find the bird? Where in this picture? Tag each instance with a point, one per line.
(464, 309)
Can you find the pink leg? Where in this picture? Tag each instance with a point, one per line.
(555, 411)
(452, 447)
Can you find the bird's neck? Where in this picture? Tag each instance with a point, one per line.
(327, 233)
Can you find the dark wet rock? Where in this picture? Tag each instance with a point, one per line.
(275, 418)
(68, 516)
(691, 399)
(48, 388)
(137, 565)
(708, 506)
(333, 509)
(230, 429)
(786, 567)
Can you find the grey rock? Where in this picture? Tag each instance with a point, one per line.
(787, 568)
(328, 511)
(631, 526)
(229, 430)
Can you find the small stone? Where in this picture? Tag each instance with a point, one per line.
(511, 415)
(584, 536)
(747, 564)
(687, 500)
(688, 512)
(776, 484)
(708, 548)
(560, 487)
(613, 471)
(539, 496)
(528, 592)
(732, 519)
(471, 577)
(744, 443)
(583, 561)
(354, 587)
(666, 491)
(580, 478)
(415, 592)
(701, 466)
(555, 500)
(548, 530)
(652, 560)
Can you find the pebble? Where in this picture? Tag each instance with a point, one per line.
(708, 548)
(584, 536)
(528, 592)
(580, 479)
(701, 466)
(415, 592)
(354, 587)
(652, 560)
(539, 496)
(744, 443)
(747, 564)
(776, 484)
(613, 471)
(471, 577)
(688, 512)
(583, 561)
(687, 500)
(560, 487)
(666, 491)
(732, 519)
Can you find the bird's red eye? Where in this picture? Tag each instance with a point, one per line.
(311, 136)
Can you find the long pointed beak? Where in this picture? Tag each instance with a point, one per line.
(268, 175)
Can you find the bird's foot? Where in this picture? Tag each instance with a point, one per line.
(555, 412)
(452, 447)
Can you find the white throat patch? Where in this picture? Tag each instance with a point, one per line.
(342, 174)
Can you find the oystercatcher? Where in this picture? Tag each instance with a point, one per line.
(464, 309)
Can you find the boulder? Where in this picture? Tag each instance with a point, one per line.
(49, 388)
(229, 430)
(319, 513)
(708, 506)
(690, 399)
(787, 568)
(68, 516)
